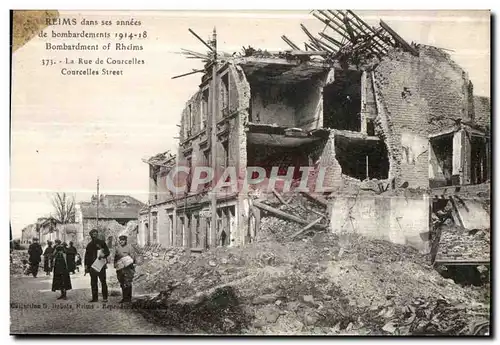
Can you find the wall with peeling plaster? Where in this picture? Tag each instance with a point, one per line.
(420, 95)
(309, 113)
(395, 219)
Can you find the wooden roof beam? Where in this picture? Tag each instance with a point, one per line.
(327, 22)
(308, 46)
(363, 31)
(290, 43)
(314, 40)
(327, 47)
(398, 38)
(365, 25)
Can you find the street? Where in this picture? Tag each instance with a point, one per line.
(35, 309)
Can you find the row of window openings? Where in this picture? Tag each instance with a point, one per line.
(224, 106)
(206, 161)
(227, 214)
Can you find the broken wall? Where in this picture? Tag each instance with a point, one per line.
(240, 101)
(273, 104)
(323, 157)
(342, 101)
(421, 95)
(482, 112)
(473, 214)
(440, 161)
(291, 103)
(309, 106)
(153, 184)
(191, 117)
(403, 220)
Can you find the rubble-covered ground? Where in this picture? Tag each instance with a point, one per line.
(16, 262)
(321, 284)
(456, 243)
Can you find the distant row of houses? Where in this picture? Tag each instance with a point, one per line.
(117, 215)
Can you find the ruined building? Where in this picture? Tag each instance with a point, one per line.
(111, 215)
(388, 120)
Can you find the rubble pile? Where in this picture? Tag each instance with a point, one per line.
(218, 313)
(151, 261)
(16, 262)
(423, 317)
(324, 284)
(457, 243)
(277, 229)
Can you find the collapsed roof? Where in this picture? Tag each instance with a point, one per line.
(346, 40)
(161, 159)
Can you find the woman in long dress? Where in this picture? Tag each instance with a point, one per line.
(124, 263)
(61, 279)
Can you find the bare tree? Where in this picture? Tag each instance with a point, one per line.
(64, 207)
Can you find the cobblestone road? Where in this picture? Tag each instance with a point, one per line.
(34, 309)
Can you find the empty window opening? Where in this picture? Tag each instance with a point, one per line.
(189, 175)
(225, 147)
(479, 160)
(190, 121)
(207, 233)
(183, 228)
(275, 103)
(204, 109)
(231, 219)
(154, 221)
(268, 157)
(189, 232)
(197, 231)
(362, 159)
(205, 157)
(221, 231)
(171, 229)
(148, 235)
(224, 94)
(441, 161)
(342, 102)
(370, 127)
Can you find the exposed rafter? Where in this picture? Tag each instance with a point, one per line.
(347, 37)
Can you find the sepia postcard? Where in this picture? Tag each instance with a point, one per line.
(322, 172)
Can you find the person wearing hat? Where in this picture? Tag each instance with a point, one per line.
(124, 264)
(61, 279)
(57, 243)
(35, 256)
(96, 248)
(70, 256)
(47, 258)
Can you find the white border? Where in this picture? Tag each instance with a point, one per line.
(145, 4)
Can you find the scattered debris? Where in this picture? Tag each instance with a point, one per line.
(304, 288)
(16, 262)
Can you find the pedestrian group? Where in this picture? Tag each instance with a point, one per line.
(62, 260)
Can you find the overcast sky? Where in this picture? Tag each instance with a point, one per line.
(68, 130)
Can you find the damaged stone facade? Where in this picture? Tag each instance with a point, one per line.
(387, 131)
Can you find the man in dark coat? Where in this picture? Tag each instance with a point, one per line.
(70, 256)
(35, 256)
(47, 258)
(96, 249)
